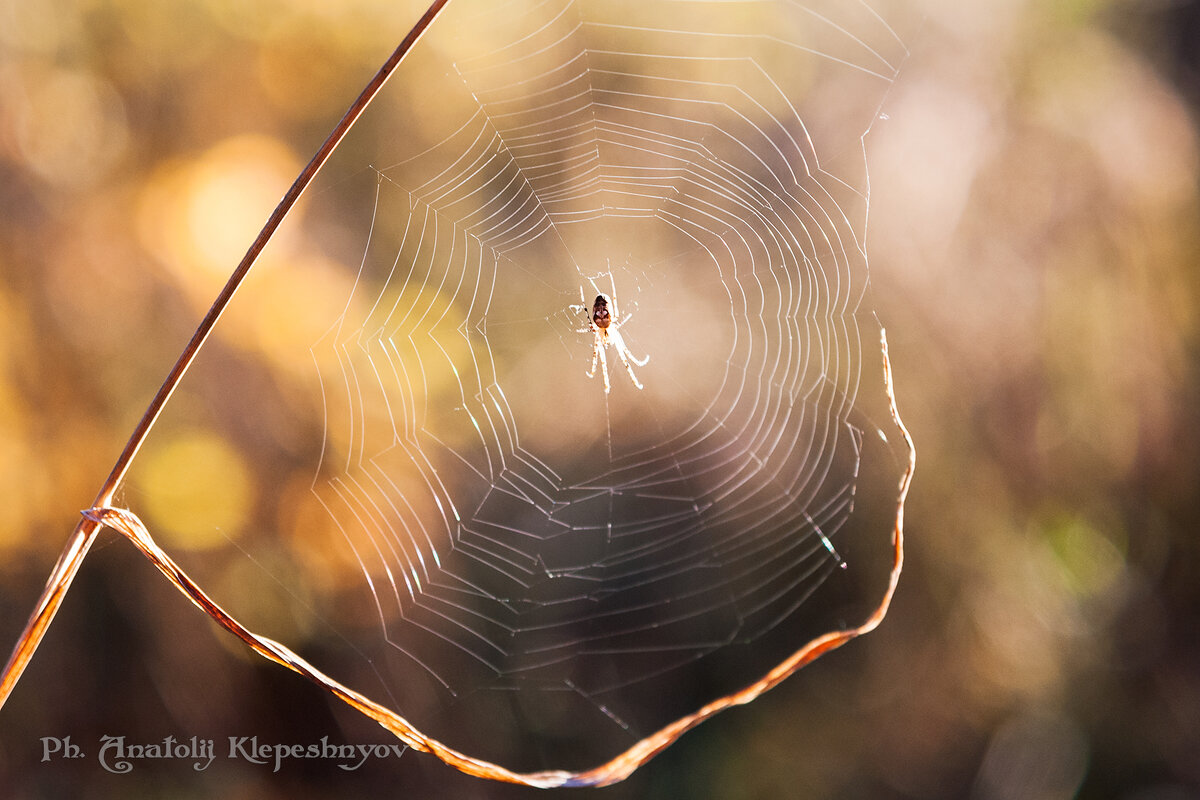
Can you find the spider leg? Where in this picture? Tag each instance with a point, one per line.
(613, 297)
(582, 308)
(619, 342)
(626, 356)
(604, 370)
(596, 352)
(629, 369)
(641, 363)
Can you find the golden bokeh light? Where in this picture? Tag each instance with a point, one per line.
(199, 489)
(70, 127)
(200, 215)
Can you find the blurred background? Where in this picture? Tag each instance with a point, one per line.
(1033, 240)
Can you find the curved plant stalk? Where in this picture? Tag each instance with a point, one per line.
(85, 532)
(102, 514)
(613, 771)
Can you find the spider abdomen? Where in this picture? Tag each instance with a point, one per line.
(600, 315)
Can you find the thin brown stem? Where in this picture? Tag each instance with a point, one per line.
(48, 604)
(268, 231)
(85, 532)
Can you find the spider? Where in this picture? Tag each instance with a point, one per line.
(603, 323)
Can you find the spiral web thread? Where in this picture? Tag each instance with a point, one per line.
(654, 151)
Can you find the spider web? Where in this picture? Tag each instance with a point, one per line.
(550, 572)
